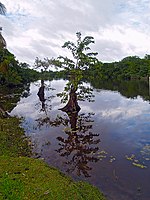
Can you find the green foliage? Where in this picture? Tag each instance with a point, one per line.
(131, 67)
(27, 74)
(81, 52)
(128, 88)
(10, 97)
(12, 77)
(83, 58)
(6, 55)
(14, 73)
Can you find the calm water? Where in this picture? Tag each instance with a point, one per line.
(110, 148)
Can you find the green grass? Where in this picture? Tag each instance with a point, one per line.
(22, 177)
(11, 189)
(27, 178)
(12, 139)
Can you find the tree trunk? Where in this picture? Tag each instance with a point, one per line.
(41, 94)
(73, 120)
(72, 105)
(41, 91)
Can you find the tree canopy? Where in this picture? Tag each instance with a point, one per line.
(82, 57)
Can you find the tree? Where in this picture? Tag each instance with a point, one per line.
(82, 58)
(2, 9)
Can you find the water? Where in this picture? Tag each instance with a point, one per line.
(110, 147)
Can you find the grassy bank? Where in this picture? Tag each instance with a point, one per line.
(12, 139)
(22, 177)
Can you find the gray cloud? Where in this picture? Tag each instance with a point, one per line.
(109, 51)
(39, 28)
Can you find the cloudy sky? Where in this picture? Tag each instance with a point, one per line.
(39, 28)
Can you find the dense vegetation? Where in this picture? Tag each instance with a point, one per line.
(14, 73)
(131, 67)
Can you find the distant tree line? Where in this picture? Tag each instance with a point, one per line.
(129, 68)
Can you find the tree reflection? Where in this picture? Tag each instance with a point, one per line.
(41, 95)
(80, 143)
(10, 97)
(45, 101)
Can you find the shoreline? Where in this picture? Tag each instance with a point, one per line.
(23, 177)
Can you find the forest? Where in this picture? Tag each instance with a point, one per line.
(131, 67)
(13, 72)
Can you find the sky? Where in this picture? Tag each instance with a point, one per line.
(39, 28)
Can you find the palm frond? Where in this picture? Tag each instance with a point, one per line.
(2, 9)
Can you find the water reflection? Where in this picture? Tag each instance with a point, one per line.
(10, 96)
(129, 89)
(67, 140)
(45, 101)
(41, 95)
(80, 143)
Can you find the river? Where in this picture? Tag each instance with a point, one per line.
(110, 147)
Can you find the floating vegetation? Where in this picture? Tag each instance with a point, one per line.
(143, 157)
(102, 152)
(139, 165)
(67, 129)
(135, 161)
(103, 155)
(131, 157)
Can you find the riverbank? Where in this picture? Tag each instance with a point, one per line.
(23, 177)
